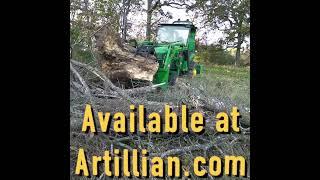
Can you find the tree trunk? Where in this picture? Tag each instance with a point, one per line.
(86, 7)
(239, 42)
(125, 11)
(124, 28)
(149, 14)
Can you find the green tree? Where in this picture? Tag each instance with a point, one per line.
(231, 16)
(215, 54)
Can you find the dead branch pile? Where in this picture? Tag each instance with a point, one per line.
(90, 85)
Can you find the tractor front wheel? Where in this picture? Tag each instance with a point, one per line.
(173, 78)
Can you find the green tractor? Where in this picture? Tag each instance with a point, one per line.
(174, 49)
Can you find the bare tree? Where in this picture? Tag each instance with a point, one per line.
(127, 7)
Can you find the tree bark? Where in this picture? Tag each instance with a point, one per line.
(125, 12)
(239, 42)
(149, 14)
(240, 39)
(124, 36)
(86, 7)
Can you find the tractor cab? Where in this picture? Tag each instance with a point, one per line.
(178, 32)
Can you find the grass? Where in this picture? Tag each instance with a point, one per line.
(226, 83)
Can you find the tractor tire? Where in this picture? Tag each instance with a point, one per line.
(173, 78)
(192, 65)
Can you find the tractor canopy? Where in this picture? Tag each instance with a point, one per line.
(177, 32)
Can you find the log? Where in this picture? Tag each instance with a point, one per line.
(119, 62)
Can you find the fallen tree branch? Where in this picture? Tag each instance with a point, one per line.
(183, 149)
(143, 89)
(214, 106)
(107, 82)
(84, 84)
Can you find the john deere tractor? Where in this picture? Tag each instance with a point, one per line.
(174, 49)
